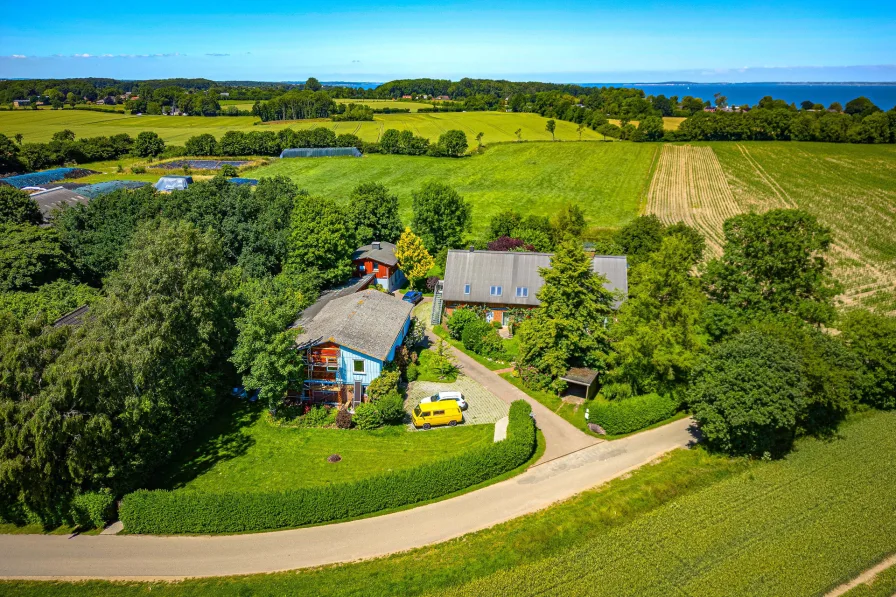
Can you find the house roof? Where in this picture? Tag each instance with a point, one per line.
(512, 270)
(352, 286)
(580, 375)
(75, 317)
(55, 198)
(368, 322)
(384, 253)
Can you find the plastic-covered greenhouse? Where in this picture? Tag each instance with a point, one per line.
(320, 152)
(101, 188)
(173, 183)
(249, 181)
(39, 179)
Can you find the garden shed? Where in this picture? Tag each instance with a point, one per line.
(581, 382)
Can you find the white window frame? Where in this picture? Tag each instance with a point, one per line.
(355, 367)
(496, 291)
(522, 292)
(376, 266)
(466, 289)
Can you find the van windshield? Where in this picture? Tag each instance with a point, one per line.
(417, 411)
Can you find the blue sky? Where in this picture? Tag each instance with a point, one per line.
(580, 41)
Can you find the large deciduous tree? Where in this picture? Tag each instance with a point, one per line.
(17, 207)
(321, 240)
(873, 339)
(413, 258)
(374, 213)
(30, 256)
(441, 216)
(148, 144)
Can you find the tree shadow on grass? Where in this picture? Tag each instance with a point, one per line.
(220, 440)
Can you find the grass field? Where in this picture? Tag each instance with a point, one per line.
(851, 188)
(608, 180)
(379, 104)
(242, 451)
(692, 524)
(39, 125)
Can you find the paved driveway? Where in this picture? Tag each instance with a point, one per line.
(484, 407)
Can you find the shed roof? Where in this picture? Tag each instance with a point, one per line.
(368, 322)
(580, 375)
(75, 317)
(512, 270)
(382, 252)
(54, 199)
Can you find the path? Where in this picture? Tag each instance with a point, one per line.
(169, 558)
(866, 577)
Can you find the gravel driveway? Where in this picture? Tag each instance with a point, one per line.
(484, 407)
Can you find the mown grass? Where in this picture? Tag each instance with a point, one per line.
(242, 451)
(491, 364)
(380, 104)
(607, 180)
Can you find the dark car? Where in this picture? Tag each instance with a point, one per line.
(413, 297)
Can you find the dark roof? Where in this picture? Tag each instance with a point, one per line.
(384, 253)
(580, 375)
(512, 270)
(75, 317)
(368, 322)
(48, 201)
(352, 286)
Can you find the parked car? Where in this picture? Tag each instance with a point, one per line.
(455, 396)
(443, 412)
(412, 296)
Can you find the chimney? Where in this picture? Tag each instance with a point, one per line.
(377, 245)
(472, 248)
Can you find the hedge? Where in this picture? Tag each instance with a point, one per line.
(632, 414)
(185, 511)
(93, 510)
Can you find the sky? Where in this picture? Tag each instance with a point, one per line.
(349, 40)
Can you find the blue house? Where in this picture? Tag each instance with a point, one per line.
(346, 342)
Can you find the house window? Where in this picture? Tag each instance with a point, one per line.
(359, 366)
(376, 266)
(522, 292)
(361, 268)
(466, 289)
(496, 291)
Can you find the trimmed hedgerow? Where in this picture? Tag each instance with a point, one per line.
(93, 510)
(184, 511)
(632, 414)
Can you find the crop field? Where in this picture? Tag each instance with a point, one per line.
(39, 125)
(670, 123)
(851, 188)
(380, 104)
(794, 527)
(608, 180)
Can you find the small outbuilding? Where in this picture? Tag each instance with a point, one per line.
(173, 183)
(581, 382)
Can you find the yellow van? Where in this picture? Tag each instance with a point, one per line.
(443, 412)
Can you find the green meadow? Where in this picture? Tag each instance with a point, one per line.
(608, 180)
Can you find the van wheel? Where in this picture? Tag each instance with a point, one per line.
(427, 426)
(453, 423)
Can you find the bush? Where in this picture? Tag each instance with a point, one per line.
(491, 345)
(497, 325)
(169, 512)
(632, 414)
(317, 416)
(138, 169)
(93, 510)
(367, 416)
(344, 419)
(385, 384)
(391, 408)
(473, 334)
(459, 320)
(411, 373)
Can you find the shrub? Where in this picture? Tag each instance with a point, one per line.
(367, 416)
(391, 408)
(459, 320)
(93, 510)
(229, 170)
(385, 384)
(431, 283)
(169, 512)
(491, 345)
(411, 373)
(138, 169)
(497, 325)
(632, 414)
(473, 334)
(317, 416)
(344, 419)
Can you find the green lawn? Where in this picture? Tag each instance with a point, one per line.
(608, 180)
(241, 450)
(491, 364)
(693, 524)
(425, 371)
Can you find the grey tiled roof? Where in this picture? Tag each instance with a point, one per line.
(53, 199)
(368, 322)
(580, 375)
(350, 287)
(75, 317)
(512, 270)
(385, 254)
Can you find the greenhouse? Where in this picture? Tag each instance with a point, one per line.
(92, 191)
(39, 179)
(320, 152)
(249, 181)
(173, 183)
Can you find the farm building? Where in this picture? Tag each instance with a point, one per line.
(21, 103)
(444, 98)
(173, 183)
(378, 258)
(346, 341)
(50, 201)
(505, 280)
(73, 318)
(320, 152)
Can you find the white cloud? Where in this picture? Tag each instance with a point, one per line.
(81, 56)
(217, 54)
(18, 56)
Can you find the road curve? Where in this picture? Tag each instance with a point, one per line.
(134, 557)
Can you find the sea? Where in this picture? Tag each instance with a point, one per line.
(882, 94)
